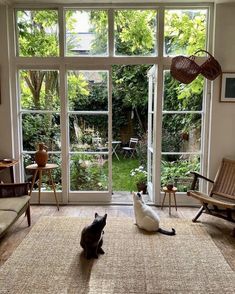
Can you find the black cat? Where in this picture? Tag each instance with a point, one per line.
(92, 237)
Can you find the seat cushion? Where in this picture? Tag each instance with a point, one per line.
(13, 203)
(6, 219)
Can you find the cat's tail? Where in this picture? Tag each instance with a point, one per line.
(165, 232)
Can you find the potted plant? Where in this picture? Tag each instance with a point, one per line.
(139, 175)
(169, 182)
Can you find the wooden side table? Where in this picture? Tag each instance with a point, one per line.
(169, 192)
(9, 164)
(39, 170)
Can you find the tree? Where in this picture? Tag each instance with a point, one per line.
(38, 33)
(134, 35)
(185, 31)
(38, 36)
(134, 32)
(88, 91)
(130, 94)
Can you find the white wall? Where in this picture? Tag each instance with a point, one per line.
(5, 108)
(223, 114)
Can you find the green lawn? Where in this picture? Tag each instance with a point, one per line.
(122, 181)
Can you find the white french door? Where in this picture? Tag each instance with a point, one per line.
(150, 146)
(89, 136)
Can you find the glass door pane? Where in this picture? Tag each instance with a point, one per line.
(185, 30)
(40, 120)
(135, 32)
(86, 32)
(129, 130)
(182, 124)
(88, 128)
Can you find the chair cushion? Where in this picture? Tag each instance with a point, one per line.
(6, 219)
(13, 203)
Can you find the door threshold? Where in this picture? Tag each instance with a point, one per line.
(125, 197)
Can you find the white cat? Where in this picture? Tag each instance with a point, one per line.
(146, 218)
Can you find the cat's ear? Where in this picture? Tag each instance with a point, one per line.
(96, 214)
(105, 216)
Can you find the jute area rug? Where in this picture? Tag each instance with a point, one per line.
(50, 260)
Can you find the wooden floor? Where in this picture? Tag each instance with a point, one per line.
(219, 230)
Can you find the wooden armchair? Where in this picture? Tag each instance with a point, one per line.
(220, 201)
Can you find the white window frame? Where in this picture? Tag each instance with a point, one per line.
(62, 64)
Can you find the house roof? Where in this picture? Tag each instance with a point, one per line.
(84, 41)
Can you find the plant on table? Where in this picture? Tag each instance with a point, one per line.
(139, 175)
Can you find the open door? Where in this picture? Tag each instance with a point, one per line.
(89, 133)
(150, 146)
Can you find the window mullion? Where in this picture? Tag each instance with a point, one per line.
(181, 111)
(111, 32)
(64, 127)
(61, 31)
(160, 32)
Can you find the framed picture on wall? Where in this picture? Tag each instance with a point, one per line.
(227, 91)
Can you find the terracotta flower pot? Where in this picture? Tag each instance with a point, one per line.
(170, 186)
(185, 136)
(142, 187)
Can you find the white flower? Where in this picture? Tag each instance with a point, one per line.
(139, 172)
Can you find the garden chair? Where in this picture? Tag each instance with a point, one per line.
(220, 201)
(96, 142)
(131, 149)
